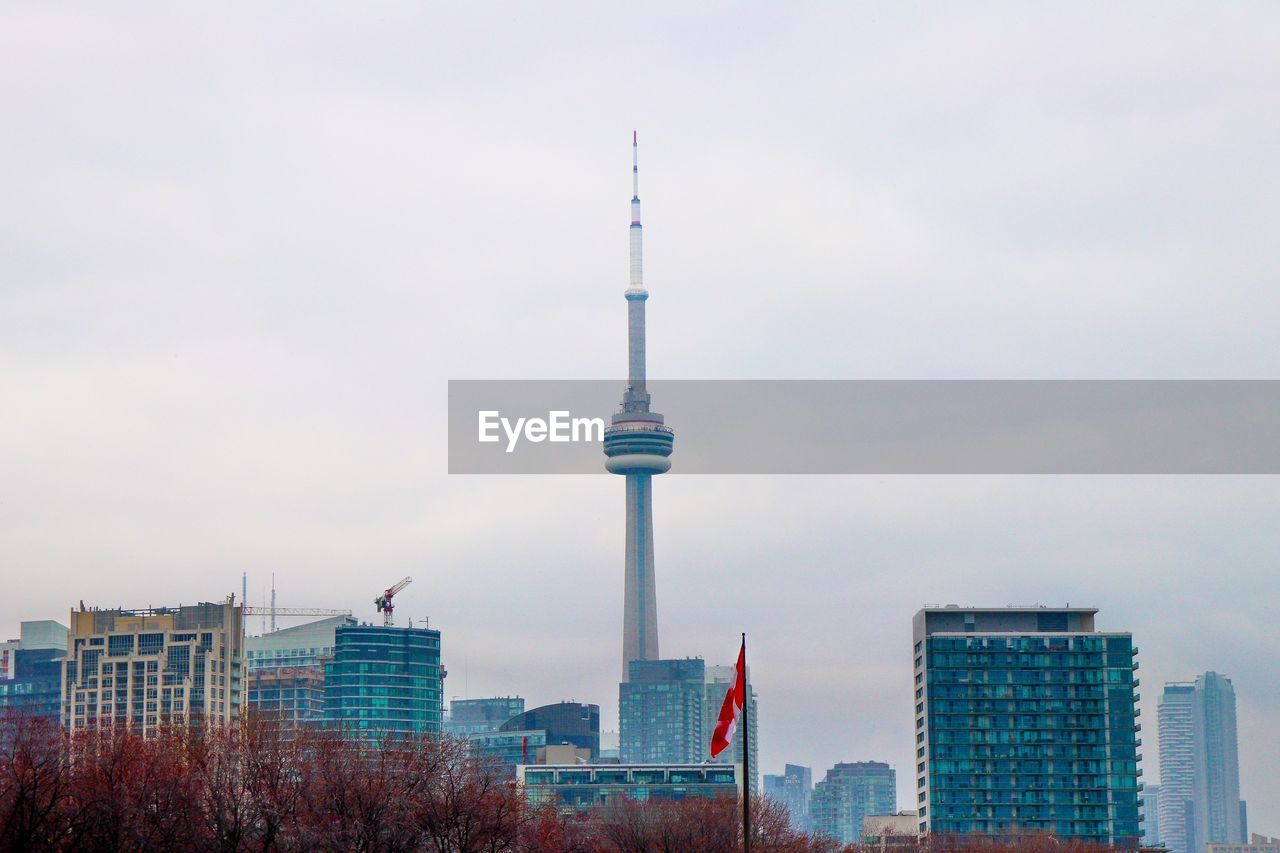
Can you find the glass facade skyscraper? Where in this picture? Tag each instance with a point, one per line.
(384, 680)
(1199, 768)
(1177, 767)
(793, 789)
(850, 792)
(662, 713)
(1026, 721)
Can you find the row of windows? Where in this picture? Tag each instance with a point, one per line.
(970, 705)
(1033, 643)
(1032, 722)
(1044, 660)
(943, 675)
(1032, 767)
(1077, 751)
(1065, 796)
(1040, 691)
(941, 780)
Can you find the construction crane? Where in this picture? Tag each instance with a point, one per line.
(384, 603)
(294, 611)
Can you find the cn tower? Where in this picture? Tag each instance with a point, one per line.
(637, 445)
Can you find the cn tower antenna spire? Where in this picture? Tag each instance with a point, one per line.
(636, 288)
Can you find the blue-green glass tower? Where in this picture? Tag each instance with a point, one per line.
(384, 680)
(661, 712)
(1026, 722)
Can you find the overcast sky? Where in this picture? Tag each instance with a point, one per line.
(243, 248)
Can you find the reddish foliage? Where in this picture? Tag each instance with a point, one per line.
(260, 787)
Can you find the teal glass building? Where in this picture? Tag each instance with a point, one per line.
(384, 680)
(661, 712)
(1026, 722)
(850, 793)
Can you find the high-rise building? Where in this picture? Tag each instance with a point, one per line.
(792, 788)
(384, 680)
(1026, 721)
(573, 723)
(31, 669)
(662, 712)
(473, 716)
(142, 668)
(1150, 823)
(1199, 768)
(718, 681)
(849, 793)
(1219, 810)
(1177, 766)
(638, 445)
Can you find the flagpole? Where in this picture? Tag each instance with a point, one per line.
(746, 754)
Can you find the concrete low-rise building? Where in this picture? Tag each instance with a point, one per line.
(1257, 844)
(576, 787)
(891, 831)
(503, 751)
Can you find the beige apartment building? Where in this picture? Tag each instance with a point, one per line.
(144, 668)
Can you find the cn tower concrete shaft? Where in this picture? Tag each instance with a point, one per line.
(637, 445)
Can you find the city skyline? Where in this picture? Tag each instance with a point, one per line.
(234, 295)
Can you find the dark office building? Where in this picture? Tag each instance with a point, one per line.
(384, 680)
(36, 686)
(564, 722)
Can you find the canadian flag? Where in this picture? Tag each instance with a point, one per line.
(734, 699)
